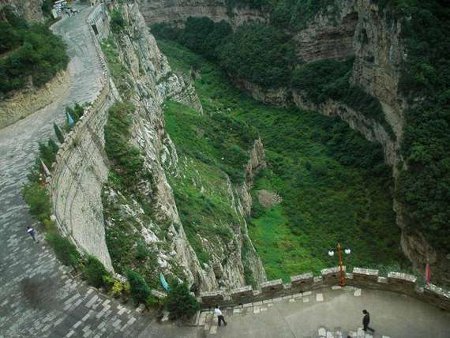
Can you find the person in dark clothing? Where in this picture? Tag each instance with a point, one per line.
(31, 232)
(366, 321)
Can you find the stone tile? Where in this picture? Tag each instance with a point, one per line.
(319, 297)
(213, 329)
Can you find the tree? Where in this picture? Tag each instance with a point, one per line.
(94, 271)
(59, 134)
(180, 303)
(139, 289)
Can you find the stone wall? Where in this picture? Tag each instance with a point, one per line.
(98, 20)
(363, 278)
(79, 173)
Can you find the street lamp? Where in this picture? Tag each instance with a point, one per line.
(341, 262)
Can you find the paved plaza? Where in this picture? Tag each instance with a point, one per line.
(38, 298)
(332, 313)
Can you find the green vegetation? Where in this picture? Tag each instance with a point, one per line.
(258, 53)
(126, 159)
(139, 289)
(180, 303)
(36, 196)
(264, 55)
(117, 22)
(295, 14)
(330, 79)
(76, 111)
(29, 54)
(202, 35)
(424, 187)
(127, 171)
(48, 152)
(211, 149)
(118, 71)
(94, 272)
(333, 183)
(64, 249)
(58, 133)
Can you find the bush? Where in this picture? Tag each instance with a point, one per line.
(65, 251)
(48, 152)
(117, 21)
(37, 198)
(258, 53)
(58, 133)
(34, 56)
(126, 158)
(139, 289)
(180, 303)
(94, 272)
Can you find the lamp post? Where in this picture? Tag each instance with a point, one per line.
(341, 262)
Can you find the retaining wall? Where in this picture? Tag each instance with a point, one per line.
(364, 278)
(79, 172)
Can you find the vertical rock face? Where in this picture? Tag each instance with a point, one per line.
(152, 82)
(29, 9)
(178, 11)
(328, 37)
(378, 57)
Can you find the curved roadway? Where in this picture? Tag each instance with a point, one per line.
(37, 299)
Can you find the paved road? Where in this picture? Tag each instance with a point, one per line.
(36, 298)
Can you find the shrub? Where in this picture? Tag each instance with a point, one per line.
(94, 272)
(258, 53)
(180, 303)
(35, 54)
(117, 21)
(65, 251)
(48, 152)
(37, 198)
(139, 289)
(58, 133)
(117, 288)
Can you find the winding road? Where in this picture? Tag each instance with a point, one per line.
(37, 297)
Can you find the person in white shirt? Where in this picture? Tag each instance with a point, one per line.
(31, 232)
(219, 315)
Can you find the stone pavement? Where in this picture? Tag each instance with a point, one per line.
(331, 313)
(37, 299)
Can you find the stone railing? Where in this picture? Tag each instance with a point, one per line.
(364, 278)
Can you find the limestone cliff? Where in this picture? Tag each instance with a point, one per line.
(154, 217)
(178, 11)
(354, 28)
(29, 9)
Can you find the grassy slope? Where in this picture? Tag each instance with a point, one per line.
(200, 185)
(323, 200)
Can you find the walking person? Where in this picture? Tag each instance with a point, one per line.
(366, 321)
(220, 317)
(31, 232)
